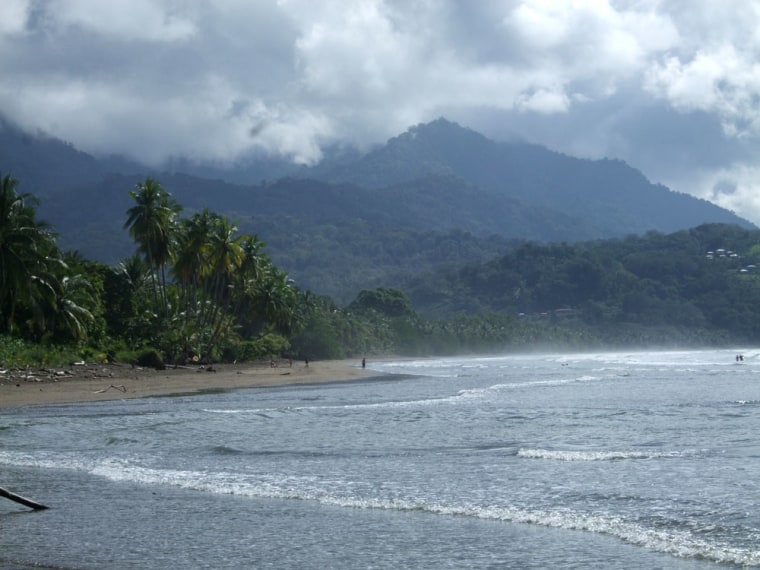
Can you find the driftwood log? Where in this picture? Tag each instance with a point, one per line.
(23, 500)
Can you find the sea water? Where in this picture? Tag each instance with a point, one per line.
(605, 460)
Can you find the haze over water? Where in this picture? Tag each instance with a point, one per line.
(627, 460)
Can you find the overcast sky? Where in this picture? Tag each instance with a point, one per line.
(670, 86)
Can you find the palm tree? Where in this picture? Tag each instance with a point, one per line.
(134, 271)
(28, 253)
(207, 257)
(268, 298)
(190, 264)
(151, 223)
(225, 256)
(71, 315)
(277, 300)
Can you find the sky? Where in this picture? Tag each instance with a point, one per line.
(672, 87)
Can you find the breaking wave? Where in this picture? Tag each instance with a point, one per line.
(664, 538)
(561, 455)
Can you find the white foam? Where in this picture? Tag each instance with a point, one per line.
(677, 543)
(674, 542)
(460, 396)
(45, 461)
(563, 455)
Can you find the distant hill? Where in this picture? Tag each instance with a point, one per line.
(605, 196)
(44, 164)
(633, 291)
(436, 194)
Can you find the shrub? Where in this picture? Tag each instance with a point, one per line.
(150, 358)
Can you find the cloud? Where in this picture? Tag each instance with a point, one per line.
(589, 41)
(723, 81)
(736, 188)
(14, 17)
(544, 101)
(124, 20)
(671, 86)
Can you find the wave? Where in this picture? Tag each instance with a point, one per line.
(226, 450)
(467, 394)
(560, 455)
(45, 461)
(662, 538)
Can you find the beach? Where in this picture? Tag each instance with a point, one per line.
(629, 459)
(93, 382)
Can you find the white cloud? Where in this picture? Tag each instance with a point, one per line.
(649, 81)
(735, 188)
(723, 81)
(126, 20)
(355, 50)
(590, 39)
(13, 17)
(544, 101)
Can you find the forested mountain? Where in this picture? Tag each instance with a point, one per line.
(332, 239)
(606, 197)
(46, 165)
(705, 278)
(437, 194)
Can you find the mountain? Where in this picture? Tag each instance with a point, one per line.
(436, 194)
(626, 288)
(607, 196)
(44, 165)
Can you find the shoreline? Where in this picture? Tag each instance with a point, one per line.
(91, 383)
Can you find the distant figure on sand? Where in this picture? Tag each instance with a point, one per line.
(307, 362)
(364, 362)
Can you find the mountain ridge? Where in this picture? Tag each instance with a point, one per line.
(536, 176)
(427, 185)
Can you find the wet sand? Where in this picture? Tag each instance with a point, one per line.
(94, 382)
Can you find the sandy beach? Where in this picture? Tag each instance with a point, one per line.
(91, 382)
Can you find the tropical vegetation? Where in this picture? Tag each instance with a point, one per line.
(198, 289)
(40, 298)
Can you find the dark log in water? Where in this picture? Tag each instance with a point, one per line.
(19, 499)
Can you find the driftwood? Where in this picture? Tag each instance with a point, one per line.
(24, 501)
(120, 388)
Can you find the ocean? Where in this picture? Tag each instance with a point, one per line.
(604, 460)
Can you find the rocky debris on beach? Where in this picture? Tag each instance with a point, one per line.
(77, 371)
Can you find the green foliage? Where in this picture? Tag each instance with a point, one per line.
(12, 351)
(150, 358)
(654, 281)
(390, 302)
(17, 352)
(224, 291)
(267, 346)
(203, 291)
(43, 294)
(28, 255)
(151, 222)
(319, 339)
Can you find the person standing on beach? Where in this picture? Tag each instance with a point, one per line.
(364, 363)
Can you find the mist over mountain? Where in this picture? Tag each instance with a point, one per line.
(438, 193)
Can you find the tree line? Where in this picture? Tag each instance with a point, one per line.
(704, 279)
(197, 289)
